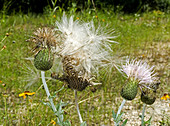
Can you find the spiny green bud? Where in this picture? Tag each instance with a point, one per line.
(148, 97)
(43, 60)
(130, 90)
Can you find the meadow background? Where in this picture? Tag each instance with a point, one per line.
(143, 32)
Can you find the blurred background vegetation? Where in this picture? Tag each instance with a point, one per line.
(125, 6)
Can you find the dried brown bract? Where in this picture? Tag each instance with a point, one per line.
(45, 38)
(71, 76)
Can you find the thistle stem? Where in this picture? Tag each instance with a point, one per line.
(47, 91)
(77, 106)
(120, 108)
(143, 113)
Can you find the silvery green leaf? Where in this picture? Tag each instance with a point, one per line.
(124, 123)
(66, 123)
(63, 104)
(54, 95)
(114, 115)
(148, 121)
(61, 117)
(83, 124)
(46, 103)
(118, 119)
(59, 89)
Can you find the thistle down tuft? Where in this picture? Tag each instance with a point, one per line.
(83, 50)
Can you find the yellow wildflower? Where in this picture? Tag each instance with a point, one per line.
(96, 16)
(165, 97)
(103, 20)
(0, 81)
(77, 18)
(53, 122)
(26, 93)
(54, 16)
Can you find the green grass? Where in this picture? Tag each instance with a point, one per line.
(136, 36)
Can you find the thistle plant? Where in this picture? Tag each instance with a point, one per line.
(43, 60)
(139, 75)
(148, 97)
(83, 49)
(45, 41)
(79, 48)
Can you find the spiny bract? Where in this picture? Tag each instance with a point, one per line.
(43, 60)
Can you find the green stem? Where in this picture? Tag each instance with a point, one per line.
(143, 112)
(77, 106)
(47, 91)
(120, 108)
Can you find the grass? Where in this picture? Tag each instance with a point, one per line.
(138, 36)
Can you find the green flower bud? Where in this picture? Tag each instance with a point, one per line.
(43, 60)
(129, 91)
(148, 97)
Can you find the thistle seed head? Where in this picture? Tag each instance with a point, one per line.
(46, 38)
(87, 45)
(71, 75)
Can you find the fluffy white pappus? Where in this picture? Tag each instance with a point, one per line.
(32, 75)
(139, 71)
(73, 34)
(90, 45)
(98, 35)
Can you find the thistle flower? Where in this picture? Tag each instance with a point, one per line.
(140, 71)
(83, 49)
(44, 37)
(46, 42)
(139, 74)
